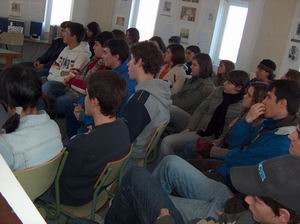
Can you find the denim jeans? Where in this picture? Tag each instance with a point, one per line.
(139, 200)
(200, 196)
(65, 106)
(53, 89)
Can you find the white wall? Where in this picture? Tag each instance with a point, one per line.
(200, 31)
(80, 11)
(286, 62)
(101, 11)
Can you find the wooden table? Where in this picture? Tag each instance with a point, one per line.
(9, 56)
(16, 197)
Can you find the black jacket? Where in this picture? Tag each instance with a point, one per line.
(52, 53)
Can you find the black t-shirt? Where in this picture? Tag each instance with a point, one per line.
(88, 155)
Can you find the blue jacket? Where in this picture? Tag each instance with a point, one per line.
(123, 71)
(250, 145)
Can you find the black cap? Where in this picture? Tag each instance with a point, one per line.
(267, 65)
(277, 178)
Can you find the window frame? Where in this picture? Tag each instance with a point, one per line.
(220, 26)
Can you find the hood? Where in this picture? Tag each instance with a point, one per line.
(83, 47)
(158, 88)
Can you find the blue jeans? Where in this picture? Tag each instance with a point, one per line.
(139, 200)
(65, 106)
(200, 197)
(53, 89)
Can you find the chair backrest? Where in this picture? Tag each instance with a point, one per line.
(36, 180)
(12, 38)
(152, 145)
(111, 172)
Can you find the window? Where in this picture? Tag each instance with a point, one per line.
(61, 11)
(143, 17)
(229, 31)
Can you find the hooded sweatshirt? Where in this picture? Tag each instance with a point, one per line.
(75, 58)
(147, 110)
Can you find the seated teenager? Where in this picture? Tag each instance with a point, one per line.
(93, 29)
(255, 93)
(108, 140)
(115, 56)
(194, 90)
(212, 117)
(77, 86)
(173, 70)
(265, 71)
(42, 64)
(224, 68)
(138, 187)
(190, 52)
(159, 42)
(249, 145)
(75, 56)
(31, 137)
(292, 75)
(132, 36)
(148, 108)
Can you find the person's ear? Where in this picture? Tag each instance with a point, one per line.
(139, 62)
(282, 103)
(94, 101)
(284, 215)
(238, 88)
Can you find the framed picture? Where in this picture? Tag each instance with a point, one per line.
(166, 8)
(15, 8)
(188, 13)
(120, 20)
(184, 33)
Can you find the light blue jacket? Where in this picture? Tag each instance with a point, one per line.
(35, 141)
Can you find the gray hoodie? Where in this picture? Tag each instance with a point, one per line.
(147, 110)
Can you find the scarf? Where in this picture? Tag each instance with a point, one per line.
(216, 123)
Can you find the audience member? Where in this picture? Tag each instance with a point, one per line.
(265, 71)
(75, 56)
(31, 137)
(190, 52)
(194, 91)
(93, 29)
(89, 153)
(42, 64)
(270, 199)
(119, 34)
(132, 36)
(212, 117)
(76, 81)
(148, 108)
(256, 93)
(159, 42)
(173, 70)
(292, 75)
(224, 68)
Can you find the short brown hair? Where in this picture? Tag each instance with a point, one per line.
(109, 89)
(293, 75)
(150, 54)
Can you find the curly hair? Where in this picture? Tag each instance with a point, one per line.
(150, 54)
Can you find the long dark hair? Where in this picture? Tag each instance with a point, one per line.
(20, 87)
(177, 51)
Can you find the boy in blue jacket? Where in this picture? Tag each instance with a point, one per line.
(249, 145)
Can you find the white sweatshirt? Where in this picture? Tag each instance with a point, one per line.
(77, 58)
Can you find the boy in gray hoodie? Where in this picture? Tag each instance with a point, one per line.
(148, 108)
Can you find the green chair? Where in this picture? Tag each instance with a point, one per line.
(37, 180)
(101, 195)
(152, 148)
